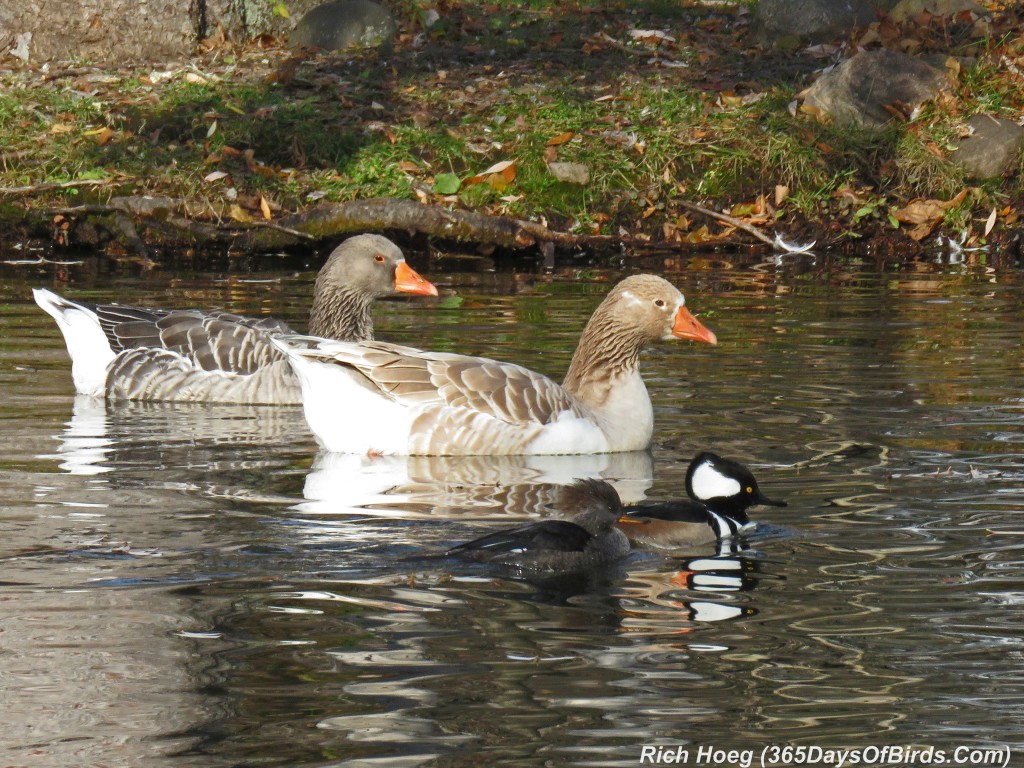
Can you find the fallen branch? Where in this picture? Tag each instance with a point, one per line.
(138, 222)
(328, 221)
(45, 186)
(731, 221)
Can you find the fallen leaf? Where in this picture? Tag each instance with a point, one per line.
(239, 214)
(61, 128)
(700, 235)
(215, 176)
(409, 167)
(265, 208)
(560, 139)
(498, 176)
(651, 36)
(446, 184)
(103, 135)
(990, 222)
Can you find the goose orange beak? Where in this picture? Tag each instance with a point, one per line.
(687, 326)
(408, 280)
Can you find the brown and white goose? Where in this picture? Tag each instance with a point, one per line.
(136, 353)
(383, 398)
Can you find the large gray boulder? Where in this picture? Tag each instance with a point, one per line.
(787, 23)
(906, 9)
(858, 91)
(344, 24)
(993, 147)
(97, 30)
(118, 31)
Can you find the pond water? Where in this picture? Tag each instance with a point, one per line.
(197, 586)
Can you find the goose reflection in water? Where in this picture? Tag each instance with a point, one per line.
(180, 444)
(461, 486)
(363, 505)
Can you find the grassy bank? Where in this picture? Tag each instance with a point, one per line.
(689, 111)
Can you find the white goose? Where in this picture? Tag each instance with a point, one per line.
(184, 355)
(383, 398)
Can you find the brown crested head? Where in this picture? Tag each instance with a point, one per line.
(590, 503)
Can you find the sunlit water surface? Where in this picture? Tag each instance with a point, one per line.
(198, 586)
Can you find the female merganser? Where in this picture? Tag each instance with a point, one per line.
(184, 355)
(588, 540)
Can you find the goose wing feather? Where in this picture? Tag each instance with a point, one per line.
(478, 385)
(215, 341)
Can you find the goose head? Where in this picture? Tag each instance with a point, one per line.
(359, 271)
(637, 312)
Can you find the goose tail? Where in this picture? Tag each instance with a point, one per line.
(87, 344)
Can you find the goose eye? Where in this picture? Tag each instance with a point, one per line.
(659, 302)
(379, 258)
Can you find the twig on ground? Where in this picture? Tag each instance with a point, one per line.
(48, 185)
(731, 221)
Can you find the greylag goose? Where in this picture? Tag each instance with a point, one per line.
(588, 539)
(720, 490)
(184, 355)
(382, 398)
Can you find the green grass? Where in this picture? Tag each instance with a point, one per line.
(504, 80)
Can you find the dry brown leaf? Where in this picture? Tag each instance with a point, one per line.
(818, 114)
(560, 139)
(920, 211)
(925, 215)
(700, 235)
(498, 176)
(61, 128)
(265, 208)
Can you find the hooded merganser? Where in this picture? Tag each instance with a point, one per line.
(720, 491)
(589, 540)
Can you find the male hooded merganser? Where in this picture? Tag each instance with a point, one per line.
(720, 492)
(589, 540)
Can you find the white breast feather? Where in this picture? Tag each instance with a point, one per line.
(569, 434)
